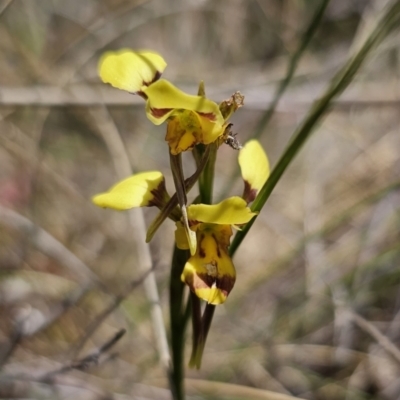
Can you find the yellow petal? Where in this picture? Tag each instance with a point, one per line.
(135, 191)
(180, 237)
(210, 273)
(212, 295)
(164, 98)
(221, 233)
(254, 166)
(130, 70)
(187, 128)
(231, 211)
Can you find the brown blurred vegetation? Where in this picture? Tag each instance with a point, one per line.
(315, 310)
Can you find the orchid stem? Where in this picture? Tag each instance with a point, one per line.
(196, 328)
(201, 324)
(178, 323)
(168, 210)
(199, 340)
(179, 180)
(206, 180)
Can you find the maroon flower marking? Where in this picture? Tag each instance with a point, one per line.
(160, 112)
(211, 116)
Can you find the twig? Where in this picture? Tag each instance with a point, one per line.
(86, 362)
(365, 94)
(15, 339)
(379, 337)
(105, 125)
(110, 309)
(31, 325)
(17, 143)
(48, 245)
(122, 24)
(53, 377)
(228, 390)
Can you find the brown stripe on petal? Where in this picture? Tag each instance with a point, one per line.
(249, 194)
(218, 249)
(160, 112)
(200, 281)
(141, 94)
(225, 283)
(160, 195)
(211, 116)
(157, 76)
(193, 222)
(202, 253)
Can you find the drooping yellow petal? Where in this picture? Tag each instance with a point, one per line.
(130, 70)
(136, 191)
(210, 273)
(255, 168)
(164, 98)
(231, 211)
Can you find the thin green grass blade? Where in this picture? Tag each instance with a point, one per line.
(284, 84)
(389, 21)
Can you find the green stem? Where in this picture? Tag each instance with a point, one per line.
(178, 323)
(179, 180)
(201, 325)
(196, 328)
(206, 321)
(206, 179)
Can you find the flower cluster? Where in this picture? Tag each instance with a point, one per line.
(192, 120)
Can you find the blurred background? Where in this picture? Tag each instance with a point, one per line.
(315, 313)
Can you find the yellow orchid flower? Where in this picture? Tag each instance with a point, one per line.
(210, 272)
(141, 190)
(191, 119)
(254, 166)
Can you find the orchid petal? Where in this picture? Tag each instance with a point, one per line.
(210, 273)
(231, 211)
(164, 98)
(135, 191)
(131, 70)
(254, 166)
(187, 128)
